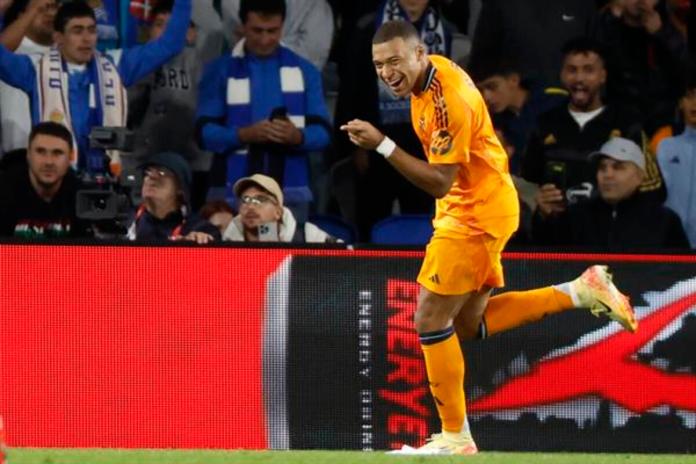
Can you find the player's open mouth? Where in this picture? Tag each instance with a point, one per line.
(396, 84)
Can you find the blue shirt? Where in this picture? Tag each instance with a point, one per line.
(677, 159)
(134, 64)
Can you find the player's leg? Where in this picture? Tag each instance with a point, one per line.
(448, 279)
(444, 361)
(445, 368)
(593, 290)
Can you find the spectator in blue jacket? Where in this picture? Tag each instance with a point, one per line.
(262, 109)
(677, 159)
(77, 86)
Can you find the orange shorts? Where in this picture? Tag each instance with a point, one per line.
(459, 265)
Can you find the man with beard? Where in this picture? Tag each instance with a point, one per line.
(37, 200)
(556, 156)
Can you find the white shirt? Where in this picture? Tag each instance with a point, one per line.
(583, 117)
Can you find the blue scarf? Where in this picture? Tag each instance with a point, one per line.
(108, 105)
(295, 175)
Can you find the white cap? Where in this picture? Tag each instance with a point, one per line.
(621, 149)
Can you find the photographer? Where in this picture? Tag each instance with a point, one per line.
(37, 198)
(263, 218)
(621, 217)
(164, 213)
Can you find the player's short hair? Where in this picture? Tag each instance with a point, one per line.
(262, 7)
(72, 10)
(54, 130)
(394, 29)
(583, 45)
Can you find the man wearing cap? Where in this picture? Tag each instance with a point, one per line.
(620, 217)
(262, 216)
(164, 213)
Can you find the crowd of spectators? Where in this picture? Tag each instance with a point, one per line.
(233, 107)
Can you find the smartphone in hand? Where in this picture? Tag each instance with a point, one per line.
(279, 112)
(555, 173)
(268, 232)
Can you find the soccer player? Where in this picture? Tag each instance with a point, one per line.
(476, 212)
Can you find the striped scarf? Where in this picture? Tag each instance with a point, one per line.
(239, 114)
(108, 105)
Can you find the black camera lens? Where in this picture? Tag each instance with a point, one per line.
(100, 204)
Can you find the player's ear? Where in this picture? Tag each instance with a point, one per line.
(420, 50)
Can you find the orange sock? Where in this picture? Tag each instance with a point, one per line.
(444, 364)
(513, 309)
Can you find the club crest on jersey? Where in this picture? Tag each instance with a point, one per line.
(442, 143)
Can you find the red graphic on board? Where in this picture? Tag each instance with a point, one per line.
(607, 369)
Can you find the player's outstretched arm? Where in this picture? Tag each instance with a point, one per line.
(434, 179)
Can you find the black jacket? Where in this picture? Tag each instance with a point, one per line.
(646, 70)
(24, 214)
(148, 227)
(638, 222)
(533, 31)
(558, 138)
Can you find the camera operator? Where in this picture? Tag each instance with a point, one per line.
(164, 213)
(620, 217)
(37, 198)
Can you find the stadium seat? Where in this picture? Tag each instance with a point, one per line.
(404, 229)
(335, 226)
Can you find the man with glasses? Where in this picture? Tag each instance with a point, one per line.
(262, 216)
(165, 212)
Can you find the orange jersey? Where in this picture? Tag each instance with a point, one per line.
(453, 124)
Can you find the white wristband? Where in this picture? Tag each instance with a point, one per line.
(386, 147)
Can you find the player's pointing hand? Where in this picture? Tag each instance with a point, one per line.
(363, 134)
